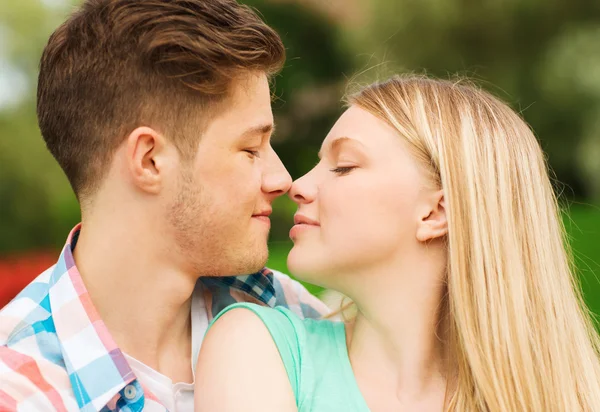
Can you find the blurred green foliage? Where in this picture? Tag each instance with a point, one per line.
(583, 227)
(541, 56)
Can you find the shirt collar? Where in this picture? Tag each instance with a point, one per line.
(259, 285)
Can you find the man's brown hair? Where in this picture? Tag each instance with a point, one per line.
(115, 65)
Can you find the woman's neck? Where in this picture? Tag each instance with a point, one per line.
(396, 344)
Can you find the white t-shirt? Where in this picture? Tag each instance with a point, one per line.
(179, 396)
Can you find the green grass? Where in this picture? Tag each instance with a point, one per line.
(583, 227)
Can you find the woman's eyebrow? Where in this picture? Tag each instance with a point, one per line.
(337, 142)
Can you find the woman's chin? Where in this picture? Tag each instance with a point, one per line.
(295, 262)
(306, 265)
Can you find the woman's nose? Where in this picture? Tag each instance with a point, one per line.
(304, 189)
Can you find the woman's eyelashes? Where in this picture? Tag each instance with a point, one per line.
(342, 170)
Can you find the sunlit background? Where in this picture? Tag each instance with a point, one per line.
(541, 56)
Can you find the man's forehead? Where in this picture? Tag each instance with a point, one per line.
(249, 101)
(250, 86)
(246, 112)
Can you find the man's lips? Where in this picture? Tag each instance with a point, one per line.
(263, 216)
(265, 213)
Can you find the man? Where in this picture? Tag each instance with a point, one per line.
(159, 114)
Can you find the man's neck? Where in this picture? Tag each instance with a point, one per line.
(142, 297)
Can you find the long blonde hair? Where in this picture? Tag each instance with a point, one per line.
(520, 336)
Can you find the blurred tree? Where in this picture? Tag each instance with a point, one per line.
(540, 56)
(36, 204)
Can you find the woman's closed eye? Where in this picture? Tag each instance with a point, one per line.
(343, 170)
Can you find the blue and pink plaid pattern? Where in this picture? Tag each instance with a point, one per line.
(56, 353)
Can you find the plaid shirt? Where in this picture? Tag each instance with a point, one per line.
(56, 354)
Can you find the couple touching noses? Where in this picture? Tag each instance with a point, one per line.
(430, 207)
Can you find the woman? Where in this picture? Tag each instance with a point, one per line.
(432, 209)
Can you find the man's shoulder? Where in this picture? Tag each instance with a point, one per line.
(32, 369)
(29, 309)
(33, 382)
(28, 337)
(293, 295)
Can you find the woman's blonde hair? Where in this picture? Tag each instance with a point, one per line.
(520, 335)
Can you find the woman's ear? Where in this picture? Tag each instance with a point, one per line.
(433, 222)
(145, 148)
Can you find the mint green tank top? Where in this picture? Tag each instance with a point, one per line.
(315, 356)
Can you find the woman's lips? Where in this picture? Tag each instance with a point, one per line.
(299, 218)
(297, 229)
(302, 223)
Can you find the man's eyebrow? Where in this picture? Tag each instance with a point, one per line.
(336, 143)
(262, 129)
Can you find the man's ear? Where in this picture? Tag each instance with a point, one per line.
(433, 222)
(146, 149)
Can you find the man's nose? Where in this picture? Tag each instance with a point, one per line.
(276, 179)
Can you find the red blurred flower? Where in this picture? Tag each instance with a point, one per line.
(17, 271)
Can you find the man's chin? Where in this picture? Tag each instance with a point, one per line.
(254, 261)
(231, 263)
(258, 265)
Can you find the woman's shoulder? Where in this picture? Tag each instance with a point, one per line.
(282, 317)
(284, 325)
(313, 351)
(306, 345)
(285, 320)
(246, 353)
(299, 341)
